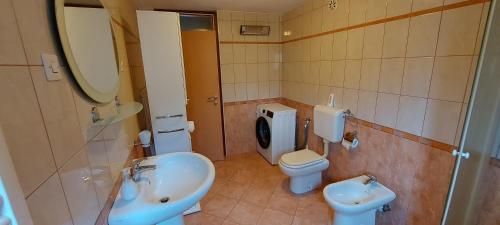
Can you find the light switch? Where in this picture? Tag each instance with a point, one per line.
(51, 67)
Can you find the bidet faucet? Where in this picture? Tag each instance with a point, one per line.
(136, 169)
(371, 180)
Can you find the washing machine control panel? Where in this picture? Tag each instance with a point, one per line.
(270, 114)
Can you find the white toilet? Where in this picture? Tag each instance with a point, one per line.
(305, 166)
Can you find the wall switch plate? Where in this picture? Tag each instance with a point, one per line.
(51, 67)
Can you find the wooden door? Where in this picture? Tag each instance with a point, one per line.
(201, 67)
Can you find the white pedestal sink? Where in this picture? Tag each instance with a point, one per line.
(182, 177)
(356, 203)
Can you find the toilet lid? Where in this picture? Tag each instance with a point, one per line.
(301, 158)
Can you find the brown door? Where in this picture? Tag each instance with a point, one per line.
(203, 90)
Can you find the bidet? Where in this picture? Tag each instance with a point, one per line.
(355, 201)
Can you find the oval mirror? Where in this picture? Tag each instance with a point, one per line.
(86, 35)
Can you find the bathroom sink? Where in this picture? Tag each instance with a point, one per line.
(179, 181)
(352, 196)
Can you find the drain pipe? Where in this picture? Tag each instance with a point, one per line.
(326, 148)
(306, 136)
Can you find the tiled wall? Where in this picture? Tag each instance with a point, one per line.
(406, 80)
(417, 173)
(66, 165)
(249, 70)
(413, 73)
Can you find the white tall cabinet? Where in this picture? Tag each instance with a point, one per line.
(161, 46)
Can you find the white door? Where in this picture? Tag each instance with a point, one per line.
(161, 47)
(13, 209)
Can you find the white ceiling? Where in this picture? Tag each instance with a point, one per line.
(212, 5)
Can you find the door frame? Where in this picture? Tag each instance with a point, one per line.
(216, 29)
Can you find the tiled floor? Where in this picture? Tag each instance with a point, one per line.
(248, 190)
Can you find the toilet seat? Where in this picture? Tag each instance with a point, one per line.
(300, 159)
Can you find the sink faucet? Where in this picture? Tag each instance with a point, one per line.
(136, 169)
(371, 180)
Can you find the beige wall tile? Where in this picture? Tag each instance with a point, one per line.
(398, 7)
(316, 20)
(101, 177)
(238, 52)
(338, 72)
(341, 14)
(43, 202)
(227, 73)
(449, 78)
(425, 4)
(355, 43)
(340, 45)
(240, 73)
(252, 91)
(370, 73)
(470, 80)
(315, 49)
(482, 28)
(461, 122)
(458, 32)
(411, 114)
(237, 15)
(441, 120)
(59, 114)
(251, 53)
(350, 100)
(24, 128)
(252, 72)
(274, 89)
(275, 53)
(326, 47)
(226, 54)
(339, 96)
(263, 53)
(387, 110)
(417, 76)
(228, 93)
(263, 90)
(391, 75)
(375, 9)
(357, 11)
(224, 28)
(328, 22)
(352, 74)
(240, 91)
(263, 72)
(35, 26)
(275, 71)
(323, 94)
(11, 46)
(373, 41)
(223, 15)
(366, 105)
(423, 34)
(395, 38)
(325, 72)
(80, 193)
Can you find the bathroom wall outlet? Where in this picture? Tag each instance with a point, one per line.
(51, 67)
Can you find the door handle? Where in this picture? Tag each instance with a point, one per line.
(464, 155)
(213, 99)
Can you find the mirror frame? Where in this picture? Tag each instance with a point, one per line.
(91, 92)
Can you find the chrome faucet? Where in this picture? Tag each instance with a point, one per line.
(136, 169)
(371, 180)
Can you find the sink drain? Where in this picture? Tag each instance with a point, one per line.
(164, 200)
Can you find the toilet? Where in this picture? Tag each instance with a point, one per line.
(304, 166)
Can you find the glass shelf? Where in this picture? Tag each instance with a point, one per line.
(125, 110)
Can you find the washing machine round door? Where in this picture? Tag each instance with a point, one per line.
(263, 132)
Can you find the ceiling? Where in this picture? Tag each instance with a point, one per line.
(212, 5)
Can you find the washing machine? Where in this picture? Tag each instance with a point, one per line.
(275, 130)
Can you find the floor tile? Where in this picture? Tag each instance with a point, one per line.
(246, 213)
